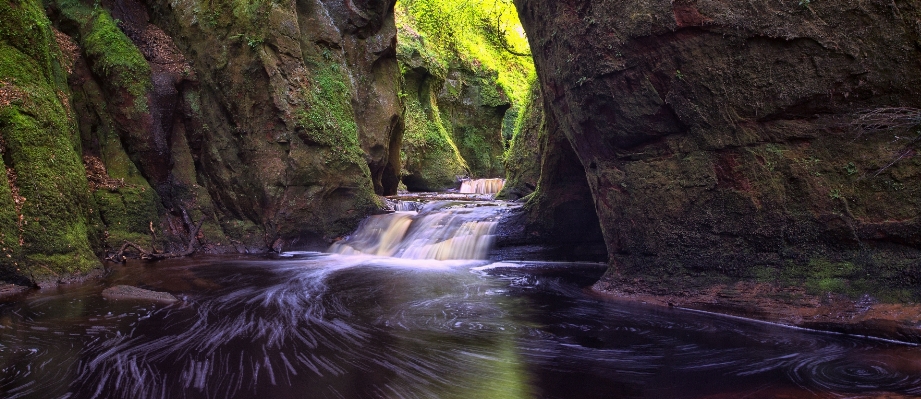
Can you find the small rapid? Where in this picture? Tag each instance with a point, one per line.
(440, 230)
(408, 306)
(482, 186)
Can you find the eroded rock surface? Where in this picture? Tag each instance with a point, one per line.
(719, 141)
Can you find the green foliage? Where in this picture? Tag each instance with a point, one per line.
(469, 54)
(478, 33)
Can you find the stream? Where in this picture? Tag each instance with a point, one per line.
(396, 313)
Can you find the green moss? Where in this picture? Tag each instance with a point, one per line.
(883, 279)
(40, 139)
(428, 149)
(329, 119)
(475, 33)
(112, 55)
(25, 27)
(522, 158)
(127, 213)
(463, 46)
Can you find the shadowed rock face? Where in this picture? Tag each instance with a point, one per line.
(290, 118)
(716, 136)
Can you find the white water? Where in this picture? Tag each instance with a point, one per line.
(440, 231)
(482, 186)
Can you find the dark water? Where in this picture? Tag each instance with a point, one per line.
(324, 326)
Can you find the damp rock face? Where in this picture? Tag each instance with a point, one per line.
(127, 292)
(722, 141)
(275, 124)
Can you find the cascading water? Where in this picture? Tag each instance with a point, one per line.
(441, 230)
(482, 186)
(312, 325)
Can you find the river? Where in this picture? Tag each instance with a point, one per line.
(320, 325)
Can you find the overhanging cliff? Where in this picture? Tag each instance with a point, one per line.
(722, 140)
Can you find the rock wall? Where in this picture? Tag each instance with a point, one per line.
(558, 220)
(430, 158)
(47, 216)
(454, 117)
(722, 141)
(274, 124)
(463, 87)
(289, 117)
(526, 149)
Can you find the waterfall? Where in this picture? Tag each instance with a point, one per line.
(405, 206)
(438, 232)
(482, 186)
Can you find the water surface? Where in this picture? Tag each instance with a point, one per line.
(313, 325)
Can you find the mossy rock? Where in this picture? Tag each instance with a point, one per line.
(41, 148)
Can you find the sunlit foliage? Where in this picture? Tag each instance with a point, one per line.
(481, 33)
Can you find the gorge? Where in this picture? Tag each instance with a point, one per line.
(749, 158)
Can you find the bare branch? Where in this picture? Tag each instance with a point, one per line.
(887, 118)
(153, 255)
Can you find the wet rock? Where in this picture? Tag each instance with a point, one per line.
(11, 290)
(719, 140)
(127, 292)
(785, 305)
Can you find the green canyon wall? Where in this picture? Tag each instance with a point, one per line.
(729, 141)
(464, 80)
(274, 124)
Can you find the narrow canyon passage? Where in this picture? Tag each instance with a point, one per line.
(320, 325)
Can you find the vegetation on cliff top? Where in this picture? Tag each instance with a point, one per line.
(483, 34)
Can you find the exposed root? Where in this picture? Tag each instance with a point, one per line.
(153, 255)
(886, 118)
(897, 119)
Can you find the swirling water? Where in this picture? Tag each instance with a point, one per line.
(313, 325)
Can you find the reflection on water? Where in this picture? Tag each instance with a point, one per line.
(333, 326)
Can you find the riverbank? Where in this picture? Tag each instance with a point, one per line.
(791, 306)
